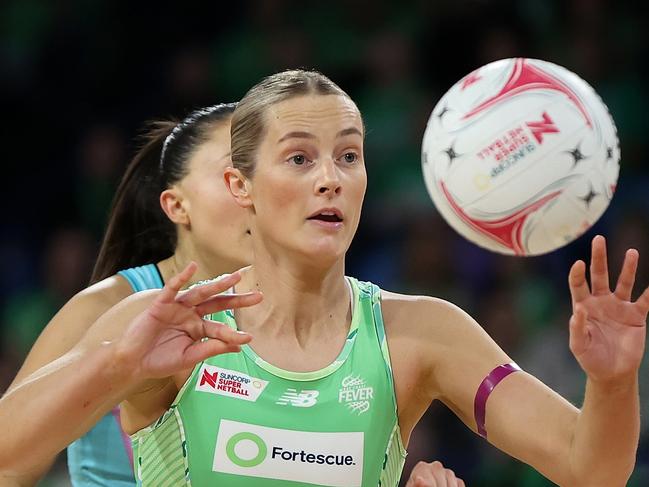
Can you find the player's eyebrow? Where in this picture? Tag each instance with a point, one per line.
(296, 135)
(349, 131)
(309, 135)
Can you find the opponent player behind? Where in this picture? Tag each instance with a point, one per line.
(170, 208)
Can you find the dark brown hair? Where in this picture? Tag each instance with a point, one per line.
(138, 231)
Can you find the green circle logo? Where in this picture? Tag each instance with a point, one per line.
(242, 462)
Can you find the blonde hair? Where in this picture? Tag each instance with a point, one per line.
(248, 123)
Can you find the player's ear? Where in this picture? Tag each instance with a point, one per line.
(239, 186)
(175, 205)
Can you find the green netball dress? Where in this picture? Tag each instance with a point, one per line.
(240, 421)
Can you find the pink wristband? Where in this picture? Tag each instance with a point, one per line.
(486, 386)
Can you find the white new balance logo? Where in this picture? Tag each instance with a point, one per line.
(302, 399)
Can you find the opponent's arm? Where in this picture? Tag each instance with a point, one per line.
(150, 335)
(592, 446)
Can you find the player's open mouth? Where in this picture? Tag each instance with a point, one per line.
(331, 218)
(332, 215)
(326, 218)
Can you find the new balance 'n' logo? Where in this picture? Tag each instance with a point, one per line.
(302, 399)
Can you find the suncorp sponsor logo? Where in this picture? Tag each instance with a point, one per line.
(229, 383)
(332, 459)
(512, 146)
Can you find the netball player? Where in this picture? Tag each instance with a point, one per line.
(170, 208)
(341, 369)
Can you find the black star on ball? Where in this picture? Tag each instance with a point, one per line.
(450, 152)
(589, 197)
(609, 153)
(576, 155)
(442, 112)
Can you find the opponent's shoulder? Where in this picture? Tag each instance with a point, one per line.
(102, 295)
(83, 309)
(72, 321)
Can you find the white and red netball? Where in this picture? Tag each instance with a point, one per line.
(521, 156)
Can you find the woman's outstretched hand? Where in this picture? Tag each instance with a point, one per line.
(607, 329)
(171, 335)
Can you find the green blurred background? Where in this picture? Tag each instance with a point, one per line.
(79, 77)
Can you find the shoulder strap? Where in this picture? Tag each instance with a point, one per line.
(372, 293)
(380, 331)
(143, 277)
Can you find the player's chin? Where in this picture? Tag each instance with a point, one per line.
(326, 250)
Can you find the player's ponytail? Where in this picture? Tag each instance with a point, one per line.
(138, 231)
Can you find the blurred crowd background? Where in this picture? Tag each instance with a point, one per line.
(78, 78)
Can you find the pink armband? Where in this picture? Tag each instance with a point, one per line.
(486, 386)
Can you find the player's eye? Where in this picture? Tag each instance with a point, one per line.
(350, 157)
(297, 159)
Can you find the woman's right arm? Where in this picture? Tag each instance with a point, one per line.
(148, 336)
(52, 407)
(71, 322)
(59, 336)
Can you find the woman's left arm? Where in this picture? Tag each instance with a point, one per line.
(593, 446)
(607, 337)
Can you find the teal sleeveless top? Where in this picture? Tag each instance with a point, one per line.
(103, 456)
(239, 421)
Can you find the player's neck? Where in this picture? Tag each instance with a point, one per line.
(297, 301)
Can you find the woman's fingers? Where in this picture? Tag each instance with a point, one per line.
(220, 339)
(228, 301)
(219, 331)
(422, 482)
(214, 338)
(433, 475)
(176, 283)
(643, 302)
(451, 479)
(579, 336)
(420, 475)
(599, 267)
(198, 329)
(203, 350)
(197, 294)
(625, 282)
(579, 289)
